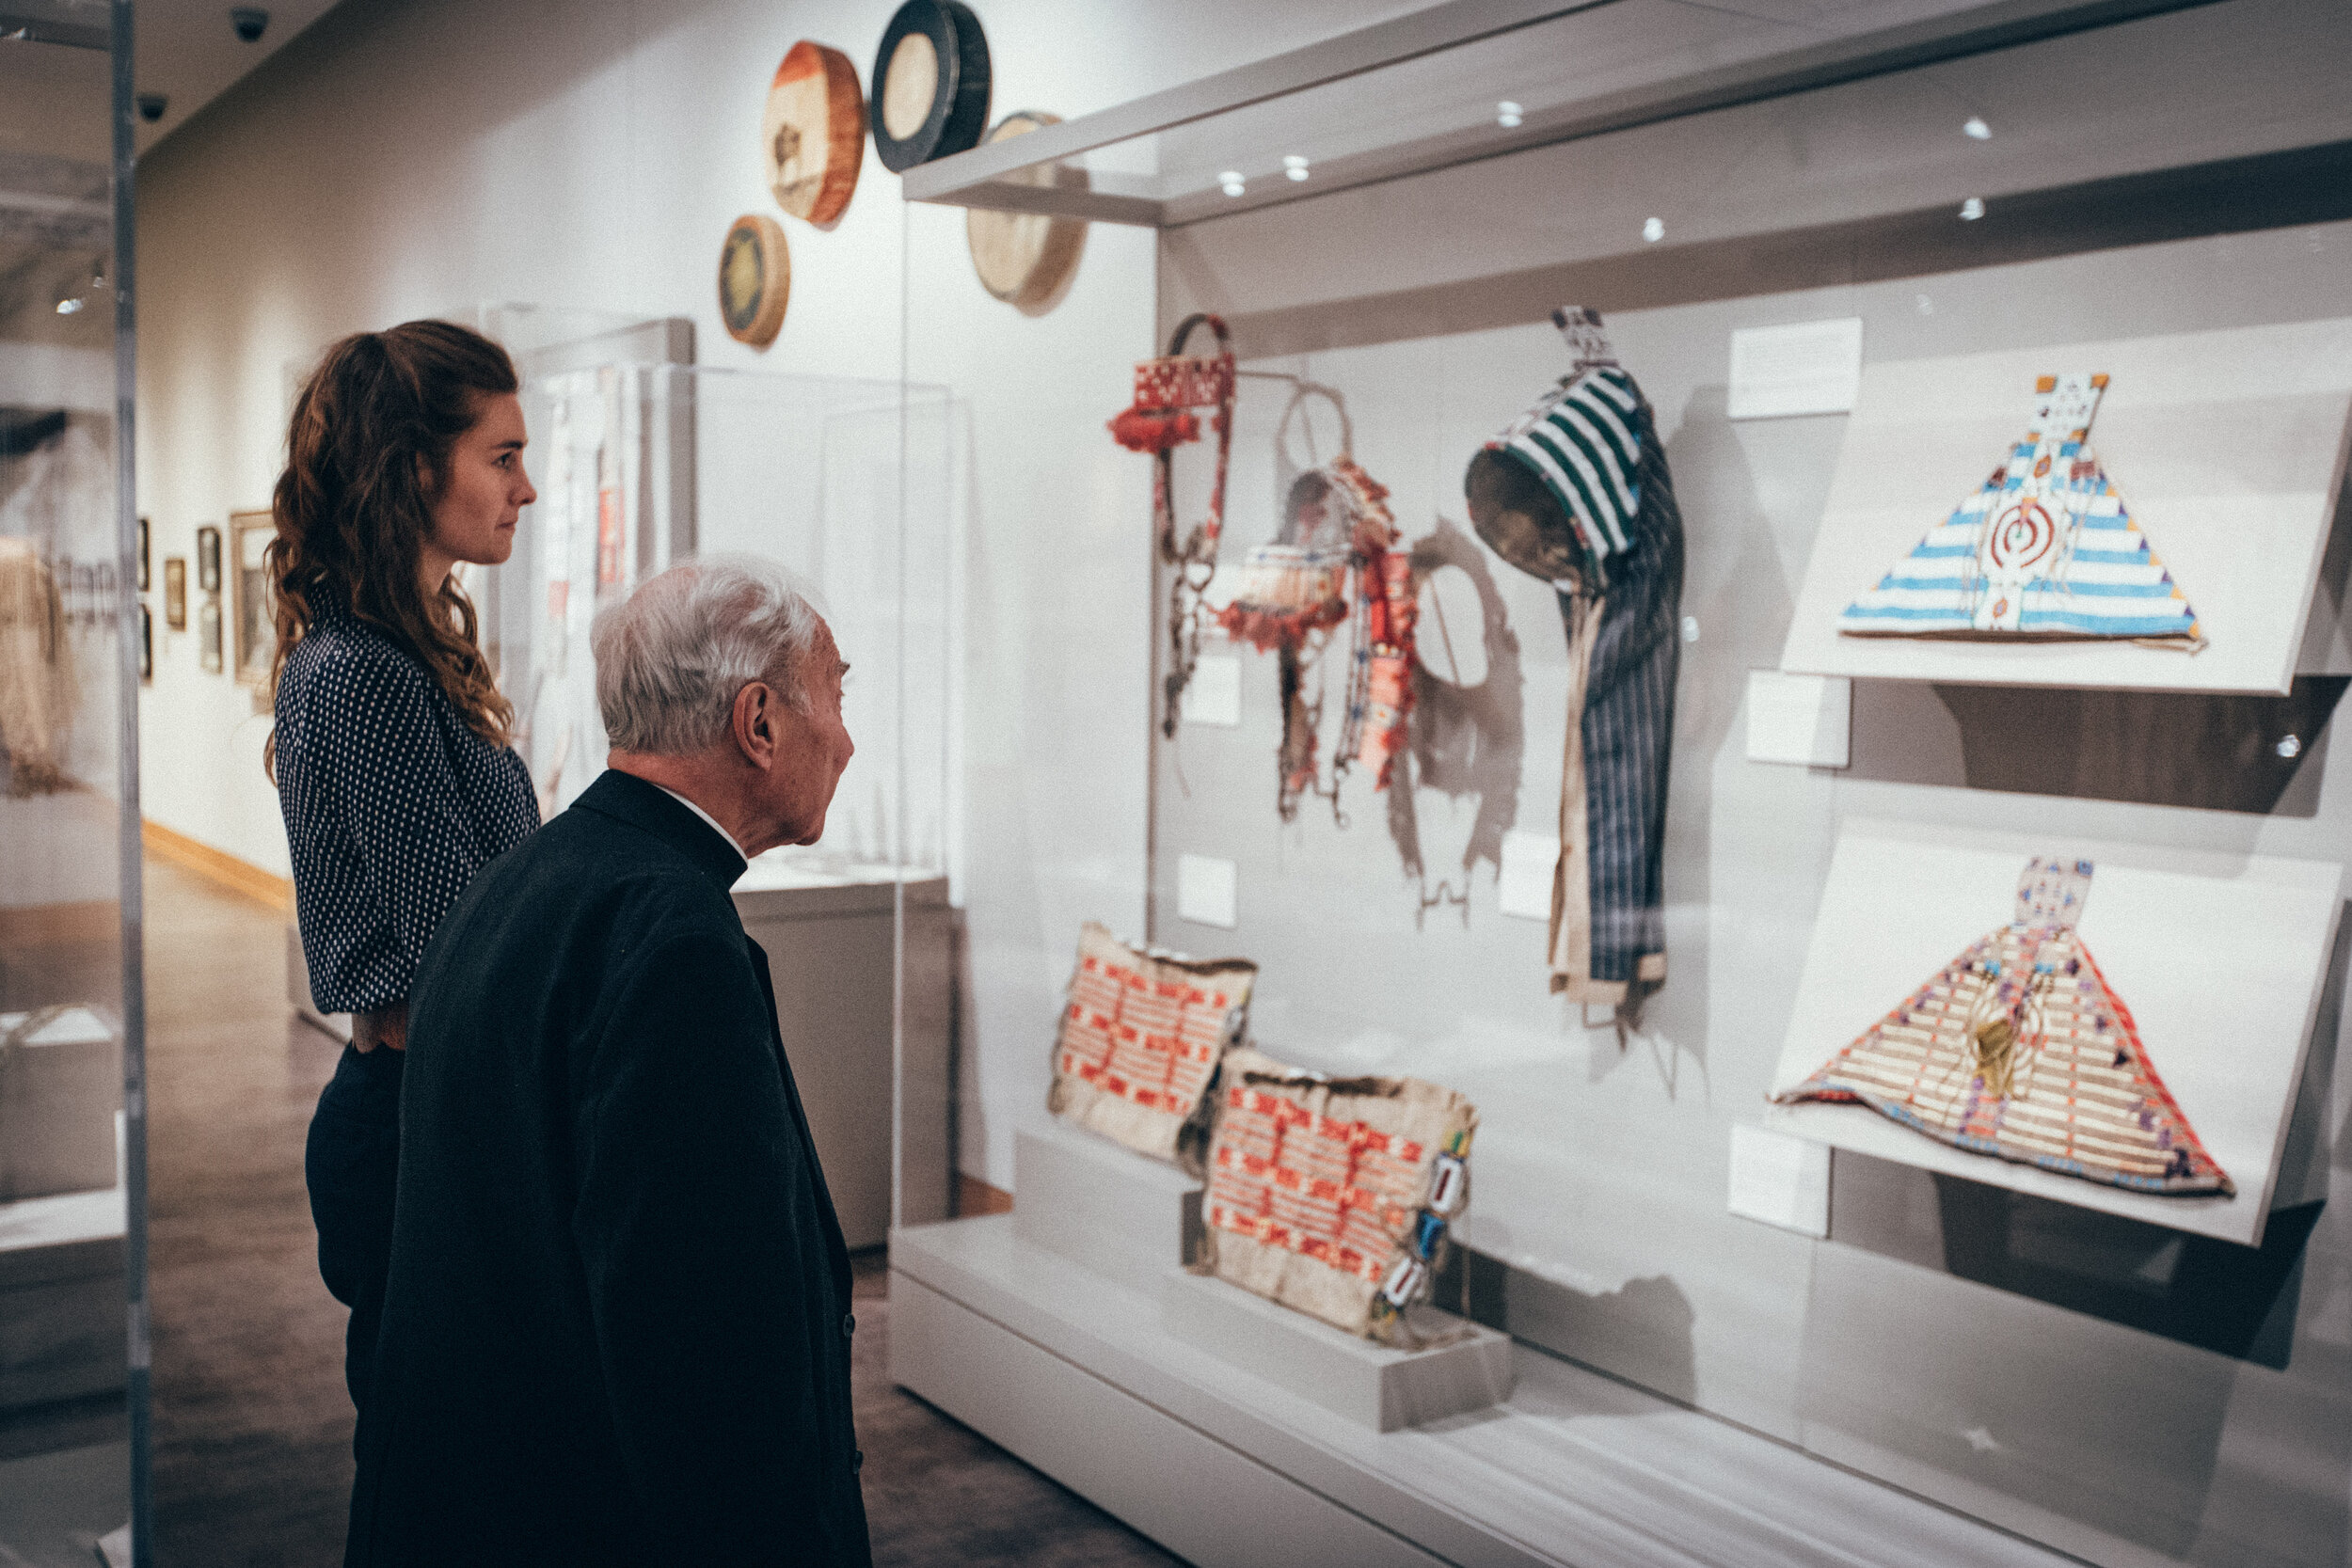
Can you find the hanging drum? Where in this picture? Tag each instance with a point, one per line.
(754, 280)
(930, 84)
(813, 134)
(1026, 258)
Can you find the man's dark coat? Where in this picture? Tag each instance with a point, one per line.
(617, 1327)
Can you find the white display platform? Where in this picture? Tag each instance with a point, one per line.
(1135, 1220)
(2220, 959)
(1124, 1215)
(1076, 1374)
(1467, 1369)
(61, 1297)
(2228, 448)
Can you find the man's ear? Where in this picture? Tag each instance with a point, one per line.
(756, 728)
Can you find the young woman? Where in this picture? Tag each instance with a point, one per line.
(391, 750)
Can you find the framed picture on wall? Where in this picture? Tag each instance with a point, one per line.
(208, 559)
(175, 592)
(207, 634)
(256, 640)
(142, 555)
(147, 644)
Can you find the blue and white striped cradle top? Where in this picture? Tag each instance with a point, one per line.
(2045, 548)
(1584, 441)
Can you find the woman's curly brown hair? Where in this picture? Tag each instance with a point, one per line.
(367, 451)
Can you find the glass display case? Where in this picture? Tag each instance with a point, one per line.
(642, 463)
(1789, 1157)
(77, 597)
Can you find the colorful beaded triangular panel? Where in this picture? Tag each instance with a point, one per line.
(2018, 1049)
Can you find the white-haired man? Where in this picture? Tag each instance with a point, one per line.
(616, 1329)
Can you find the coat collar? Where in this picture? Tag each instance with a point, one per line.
(626, 798)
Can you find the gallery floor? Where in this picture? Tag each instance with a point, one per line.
(252, 1428)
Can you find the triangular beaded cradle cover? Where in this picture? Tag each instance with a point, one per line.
(2018, 1049)
(2045, 550)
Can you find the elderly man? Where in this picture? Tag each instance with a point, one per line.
(616, 1329)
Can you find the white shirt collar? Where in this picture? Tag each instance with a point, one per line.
(705, 817)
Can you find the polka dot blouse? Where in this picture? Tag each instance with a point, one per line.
(391, 804)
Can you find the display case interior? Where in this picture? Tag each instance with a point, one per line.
(2155, 202)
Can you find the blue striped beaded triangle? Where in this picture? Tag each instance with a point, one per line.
(2044, 549)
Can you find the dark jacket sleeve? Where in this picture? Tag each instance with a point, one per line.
(380, 756)
(697, 1233)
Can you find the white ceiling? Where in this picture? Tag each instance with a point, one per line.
(52, 98)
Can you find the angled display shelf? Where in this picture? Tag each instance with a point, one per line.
(2226, 450)
(2214, 964)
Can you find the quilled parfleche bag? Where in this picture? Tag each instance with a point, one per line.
(1293, 592)
(1576, 494)
(2019, 1050)
(2043, 551)
(1142, 1033)
(1168, 392)
(1333, 1195)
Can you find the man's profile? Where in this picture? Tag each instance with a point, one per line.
(617, 1324)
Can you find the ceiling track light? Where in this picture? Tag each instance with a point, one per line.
(1293, 166)
(1653, 229)
(1972, 209)
(1232, 182)
(1977, 130)
(1509, 115)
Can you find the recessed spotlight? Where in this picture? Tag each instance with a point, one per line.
(151, 106)
(1231, 179)
(1972, 209)
(1294, 166)
(1653, 229)
(2291, 747)
(1977, 129)
(1508, 115)
(69, 307)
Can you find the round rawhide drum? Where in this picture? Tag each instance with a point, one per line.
(755, 280)
(930, 84)
(813, 134)
(1026, 258)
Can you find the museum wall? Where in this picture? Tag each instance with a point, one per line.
(2113, 1388)
(420, 158)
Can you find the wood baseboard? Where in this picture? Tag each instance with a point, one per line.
(975, 1197)
(218, 866)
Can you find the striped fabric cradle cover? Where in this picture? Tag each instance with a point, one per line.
(1584, 442)
(2045, 550)
(1323, 1191)
(1141, 1036)
(2018, 1049)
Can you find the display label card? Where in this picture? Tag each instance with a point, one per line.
(1213, 695)
(1804, 368)
(1804, 719)
(1205, 891)
(1780, 1181)
(1524, 887)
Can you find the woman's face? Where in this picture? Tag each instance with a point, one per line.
(486, 489)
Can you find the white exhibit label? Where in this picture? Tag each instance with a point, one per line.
(1214, 694)
(1205, 891)
(1804, 368)
(1524, 886)
(1804, 719)
(1779, 1180)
